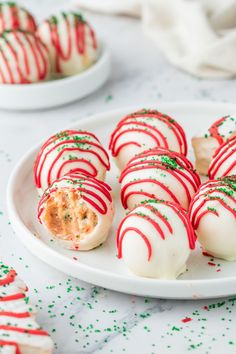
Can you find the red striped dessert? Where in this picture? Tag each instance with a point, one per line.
(19, 332)
(78, 211)
(14, 17)
(23, 58)
(142, 130)
(155, 240)
(224, 160)
(206, 144)
(70, 151)
(213, 216)
(71, 43)
(158, 173)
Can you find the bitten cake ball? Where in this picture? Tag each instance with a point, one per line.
(70, 151)
(23, 58)
(158, 173)
(206, 144)
(71, 43)
(143, 130)
(224, 160)
(213, 215)
(14, 17)
(78, 211)
(155, 240)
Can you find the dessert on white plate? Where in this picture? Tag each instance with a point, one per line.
(213, 215)
(158, 173)
(224, 160)
(70, 151)
(19, 332)
(78, 211)
(24, 58)
(14, 17)
(142, 130)
(71, 43)
(206, 144)
(155, 240)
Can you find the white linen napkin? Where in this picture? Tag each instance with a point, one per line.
(198, 36)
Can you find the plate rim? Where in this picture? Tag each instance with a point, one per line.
(83, 269)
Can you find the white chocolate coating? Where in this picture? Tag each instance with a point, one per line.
(224, 161)
(213, 215)
(71, 43)
(160, 174)
(70, 150)
(13, 17)
(143, 130)
(155, 240)
(23, 58)
(90, 193)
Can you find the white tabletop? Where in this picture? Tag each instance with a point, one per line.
(83, 318)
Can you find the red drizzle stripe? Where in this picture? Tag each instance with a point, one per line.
(15, 314)
(12, 297)
(9, 278)
(37, 332)
(214, 130)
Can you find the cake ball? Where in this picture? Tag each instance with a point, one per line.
(70, 151)
(155, 240)
(206, 144)
(224, 160)
(213, 216)
(143, 130)
(14, 17)
(158, 173)
(71, 43)
(23, 58)
(78, 211)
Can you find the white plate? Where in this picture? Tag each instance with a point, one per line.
(57, 92)
(101, 266)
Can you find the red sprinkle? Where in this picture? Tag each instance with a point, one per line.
(211, 264)
(186, 319)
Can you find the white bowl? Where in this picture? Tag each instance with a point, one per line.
(101, 266)
(56, 92)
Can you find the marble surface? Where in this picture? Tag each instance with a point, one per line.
(83, 318)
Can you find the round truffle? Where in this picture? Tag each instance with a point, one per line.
(23, 58)
(224, 160)
(205, 144)
(71, 43)
(155, 240)
(70, 151)
(14, 17)
(161, 174)
(78, 211)
(213, 216)
(143, 130)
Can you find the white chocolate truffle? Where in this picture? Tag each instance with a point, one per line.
(23, 58)
(143, 130)
(224, 160)
(78, 211)
(14, 17)
(161, 174)
(213, 216)
(205, 145)
(19, 332)
(71, 43)
(155, 240)
(70, 151)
